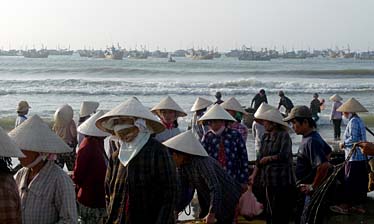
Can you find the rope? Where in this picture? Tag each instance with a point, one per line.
(320, 193)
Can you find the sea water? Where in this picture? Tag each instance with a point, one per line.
(48, 83)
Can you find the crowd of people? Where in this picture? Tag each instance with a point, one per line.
(150, 170)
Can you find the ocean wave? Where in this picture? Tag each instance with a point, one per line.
(107, 70)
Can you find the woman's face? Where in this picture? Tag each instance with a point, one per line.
(30, 157)
(168, 116)
(232, 112)
(268, 125)
(347, 115)
(215, 125)
(127, 134)
(178, 159)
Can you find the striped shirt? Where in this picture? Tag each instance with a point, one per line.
(354, 132)
(218, 191)
(10, 204)
(49, 198)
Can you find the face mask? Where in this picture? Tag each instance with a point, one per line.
(129, 150)
(37, 161)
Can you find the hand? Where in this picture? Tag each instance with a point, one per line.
(367, 148)
(251, 180)
(306, 188)
(265, 160)
(210, 218)
(341, 145)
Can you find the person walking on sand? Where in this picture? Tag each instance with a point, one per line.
(315, 107)
(336, 116)
(65, 127)
(356, 170)
(236, 110)
(219, 98)
(205, 175)
(258, 99)
(46, 191)
(285, 102)
(10, 202)
(312, 159)
(89, 172)
(168, 111)
(140, 183)
(199, 108)
(22, 110)
(276, 164)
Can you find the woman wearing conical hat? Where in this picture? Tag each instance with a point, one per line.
(205, 175)
(10, 203)
(226, 145)
(64, 126)
(199, 108)
(275, 162)
(336, 116)
(140, 183)
(236, 110)
(46, 191)
(87, 109)
(168, 111)
(89, 171)
(356, 174)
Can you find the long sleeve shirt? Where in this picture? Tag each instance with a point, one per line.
(89, 172)
(354, 132)
(49, 197)
(145, 190)
(336, 115)
(10, 203)
(235, 152)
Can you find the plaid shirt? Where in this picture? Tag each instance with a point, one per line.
(278, 172)
(10, 204)
(49, 198)
(241, 128)
(145, 190)
(354, 132)
(218, 191)
(235, 152)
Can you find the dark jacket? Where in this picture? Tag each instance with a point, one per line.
(89, 172)
(145, 190)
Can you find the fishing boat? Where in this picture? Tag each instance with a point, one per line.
(135, 54)
(200, 54)
(113, 53)
(247, 54)
(33, 53)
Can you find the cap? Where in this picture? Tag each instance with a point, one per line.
(299, 111)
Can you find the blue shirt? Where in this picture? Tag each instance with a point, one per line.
(354, 132)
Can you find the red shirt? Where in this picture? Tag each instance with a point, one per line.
(89, 172)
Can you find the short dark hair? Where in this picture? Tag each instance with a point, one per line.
(262, 91)
(310, 121)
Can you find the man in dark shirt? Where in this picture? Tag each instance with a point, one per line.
(259, 98)
(312, 159)
(285, 101)
(218, 97)
(315, 107)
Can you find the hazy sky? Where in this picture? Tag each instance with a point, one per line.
(174, 24)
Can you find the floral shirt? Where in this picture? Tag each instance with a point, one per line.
(235, 152)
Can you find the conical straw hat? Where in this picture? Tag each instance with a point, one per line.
(186, 142)
(352, 106)
(130, 108)
(217, 113)
(88, 108)
(262, 109)
(335, 97)
(272, 115)
(63, 115)
(89, 128)
(8, 147)
(233, 104)
(200, 103)
(35, 135)
(168, 104)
